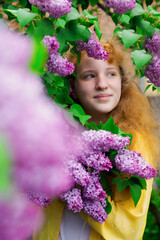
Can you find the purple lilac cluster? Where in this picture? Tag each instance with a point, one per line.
(34, 130)
(39, 199)
(18, 218)
(153, 44)
(132, 162)
(153, 71)
(56, 63)
(56, 8)
(87, 193)
(120, 6)
(153, 68)
(93, 48)
(85, 168)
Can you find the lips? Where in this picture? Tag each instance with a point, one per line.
(102, 96)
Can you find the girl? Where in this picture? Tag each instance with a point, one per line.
(104, 89)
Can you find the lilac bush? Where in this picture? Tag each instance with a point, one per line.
(18, 218)
(153, 71)
(56, 63)
(93, 48)
(56, 8)
(153, 44)
(120, 6)
(132, 162)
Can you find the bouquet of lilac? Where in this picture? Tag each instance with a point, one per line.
(87, 193)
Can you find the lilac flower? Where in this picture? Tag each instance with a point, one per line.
(33, 127)
(18, 218)
(94, 190)
(56, 63)
(120, 6)
(95, 210)
(61, 66)
(104, 141)
(56, 8)
(97, 160)
(153, 71)
(77, 171)
(8, 49)
(39, 199)
(132, 162)
(51, 43)
(153, 44)
(93, 48)
(73, 199)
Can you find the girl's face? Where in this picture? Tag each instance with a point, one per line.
(97, 87)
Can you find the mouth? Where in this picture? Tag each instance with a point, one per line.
(102, 96)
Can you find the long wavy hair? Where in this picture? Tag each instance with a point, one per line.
(133, 113)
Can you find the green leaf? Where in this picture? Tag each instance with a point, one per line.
(155, 88)
(89, 16)
(121, 183)
(73, 15)
(108, 207)
(129, 37)
(92, 125)
(106, 187)
(77, 111)
(24, 16)
(138, 10)
(135, 191)
(148, 86)
(124, 18)
(23, 3)
(140, 58)
(5, 168)
(93, 2)
(60, 23)
(39, 57)
(152, 11)
(41, 28)
(140, 181)
(97, 29)
(144, 27)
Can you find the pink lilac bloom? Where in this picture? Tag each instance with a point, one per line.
(18, 218)
(39, 199)
(95, 210)
(34, 128)
(153, 71)
(94, 190)
(10, 40)
(153, 45)
(97, 160)
(93, 48)
(104, 140)
(51, 43)
(73, 199)
(56, 8)
(77, 171)
(120, 6)
(132, 162)
(56, 63)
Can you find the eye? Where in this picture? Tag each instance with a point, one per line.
(89, 76)
(111, 74)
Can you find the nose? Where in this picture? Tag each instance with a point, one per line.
(101, 82)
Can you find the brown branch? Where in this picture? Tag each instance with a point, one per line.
(103, 8)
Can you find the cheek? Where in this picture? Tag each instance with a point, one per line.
(82, 89)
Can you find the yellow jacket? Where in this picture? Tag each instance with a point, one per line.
(125, 222)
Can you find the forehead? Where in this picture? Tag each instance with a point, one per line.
(89, 63)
